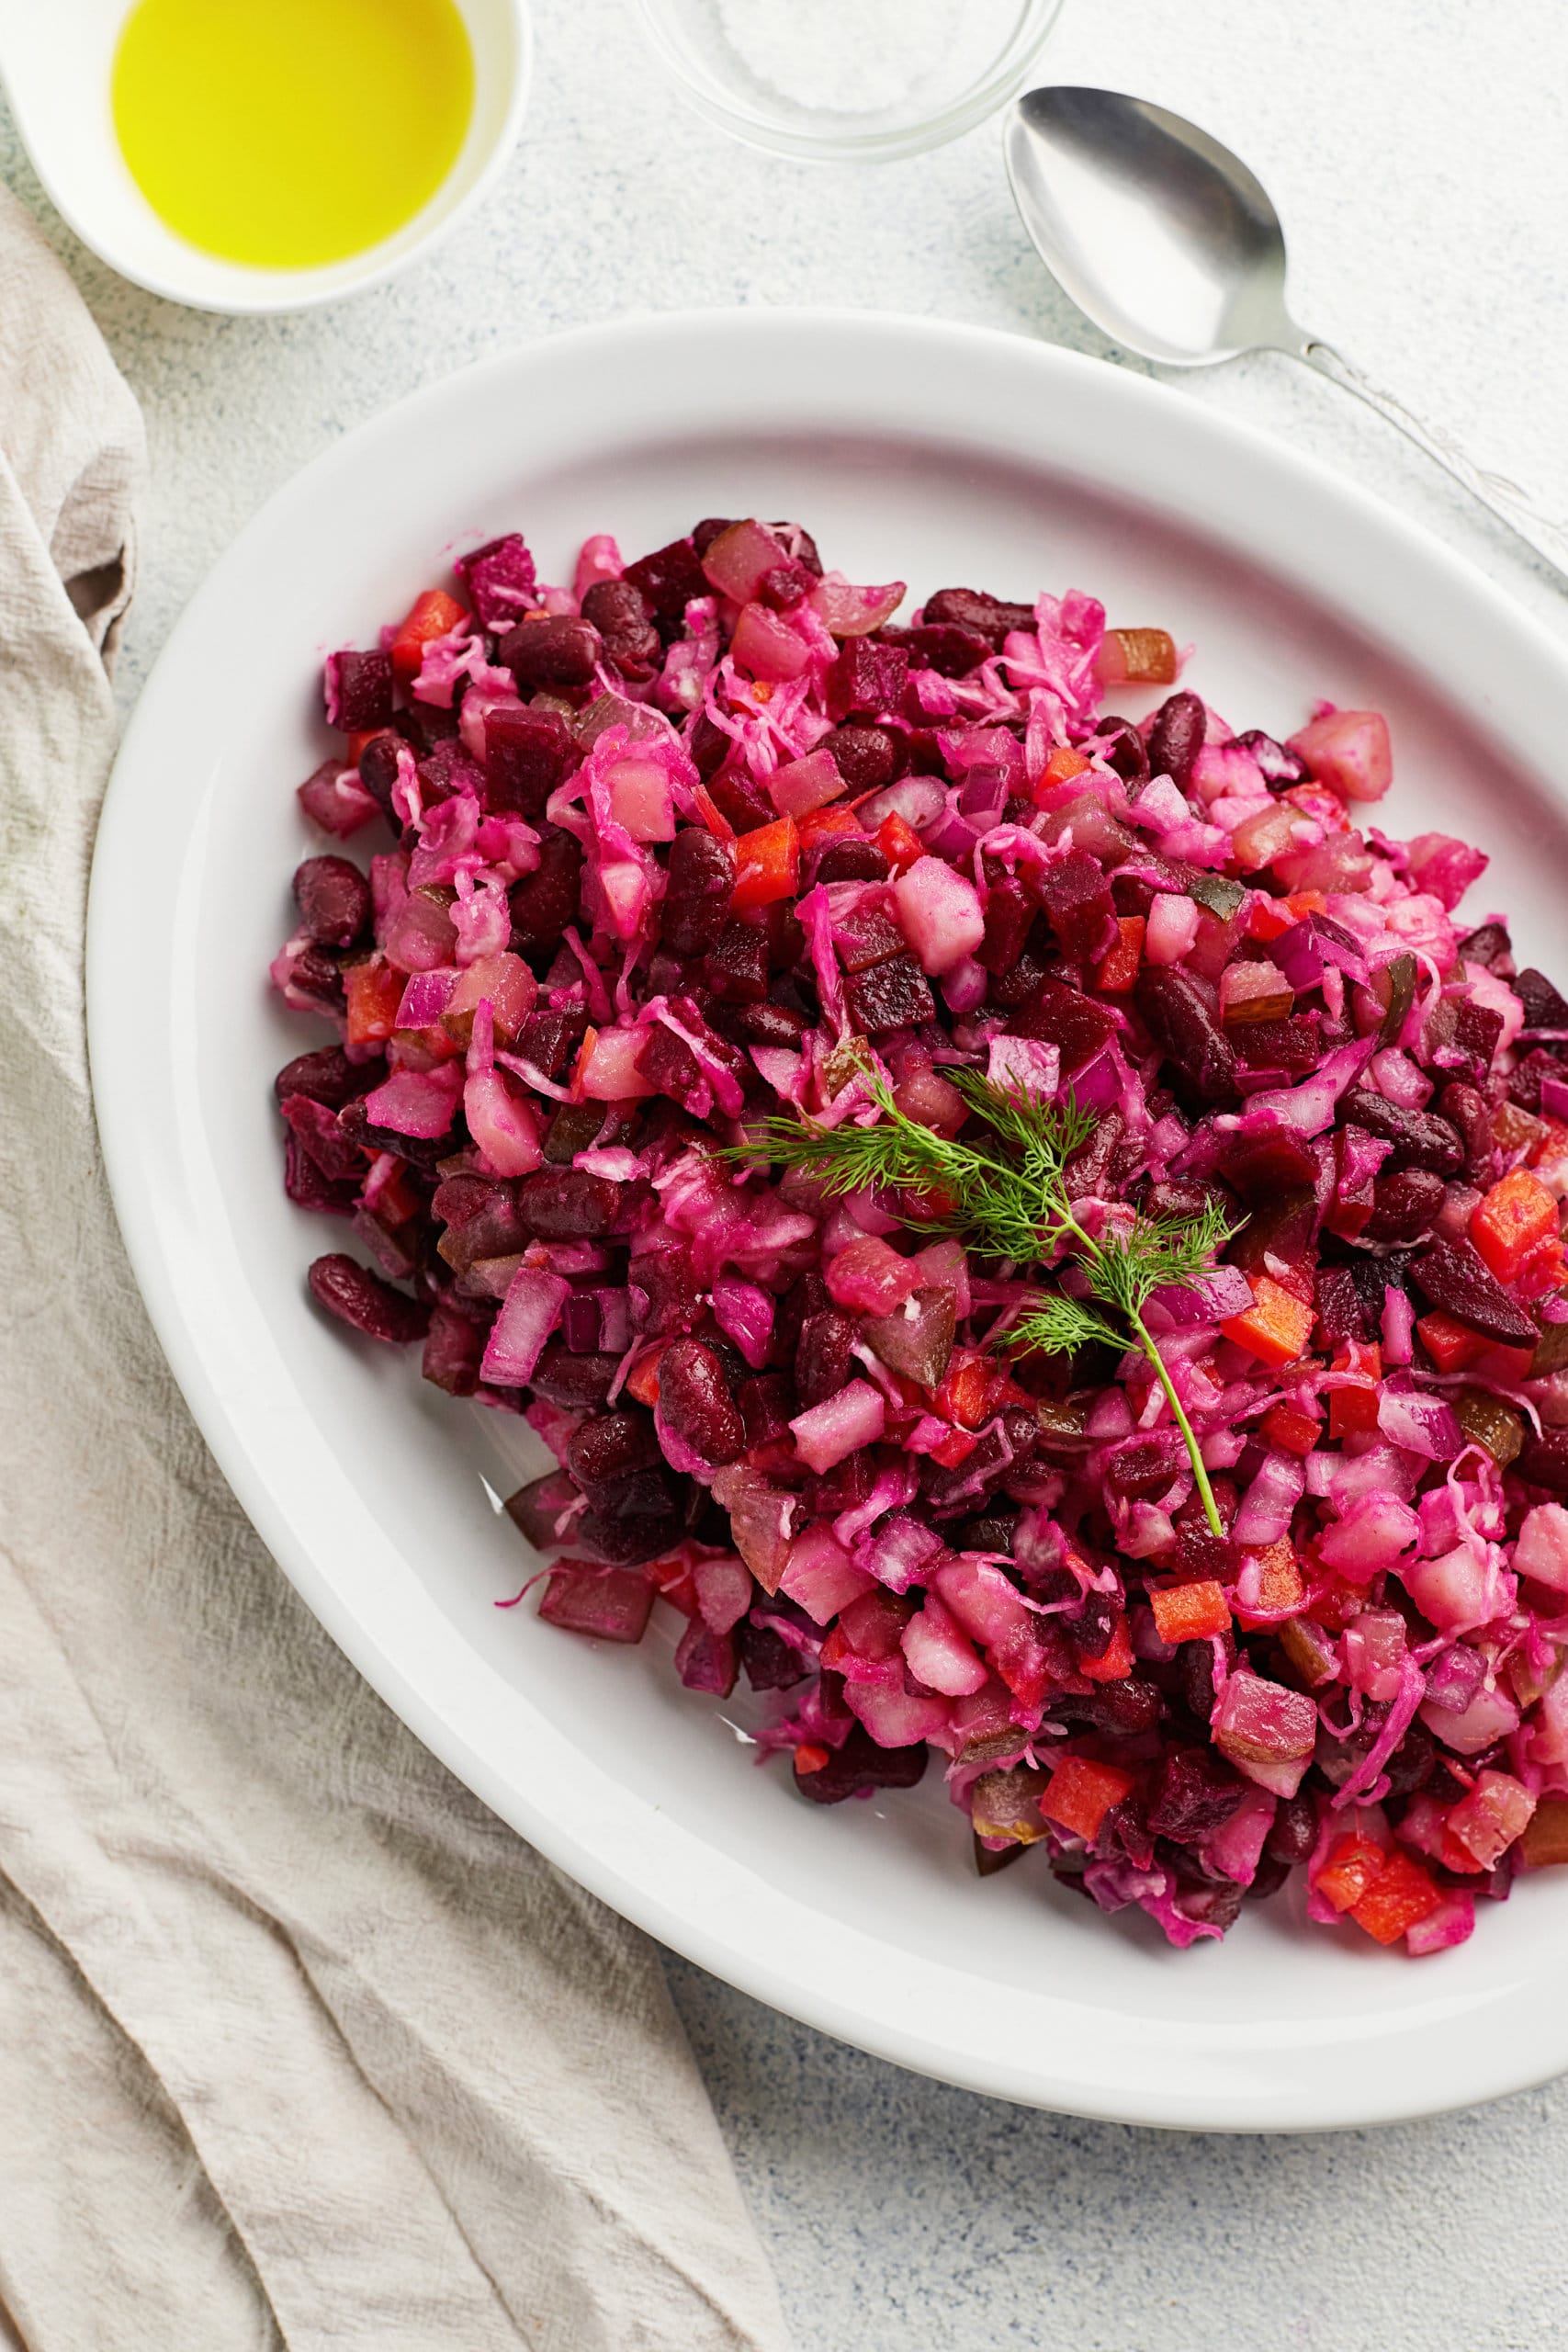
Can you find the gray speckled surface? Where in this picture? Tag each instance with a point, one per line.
(1419, 152)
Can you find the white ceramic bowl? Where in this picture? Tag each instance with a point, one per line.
(55, 65)
(938, 454)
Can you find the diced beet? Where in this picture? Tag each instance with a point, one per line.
(1544, 1461)
(1544, 1007)
(1477, 1032)
(1010, 916)
(534, 1509)
(1404, 1205)
(618, 610)
(669, 579)
(867, 680)
(1060, 1016)
(868, 937)
(742, 802)
(366, 1303)
(1280, 766)
(1077, 900)
(867, 757)
(306, 1186)
(1291, 1045)
(1341, 1308)
(700, 885)
(823, 1356)
(1143, 1466)
(1177, 738)
(1193, 1794)
(359, 691)
(1527, 1076)
(971, 609)
(326, 1076)
(610, 1446)
(546, 902)
(320, 1135)
(705, 1660)
(580, 1383)
(1420, 1138)
(1454, 1277)
(333, 899)
(951, 651)
(891, 995)
(499, 579)
(453, 1346)
(527, 753)
(768, 1403)
(608, 1604)
(1179, 1020)
(694, 1402)
(846, 859)
(551, 1039)
(1468, 1112)
(785, 585)
(569, 1204)
(664, 1291)
(736, 966)
(859, 1764)
(552, 653)
(767, 1024)
(1260, 1167)
(769, 1661)
(626, 1542)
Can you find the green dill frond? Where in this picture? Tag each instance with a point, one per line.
(1058, 1326)
(1153, 1251)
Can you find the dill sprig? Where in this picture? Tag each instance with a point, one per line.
(1005, 1195)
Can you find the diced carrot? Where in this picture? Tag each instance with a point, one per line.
(1353, 1868)
(1118, 969)
(1516, 1217)
(1401, 1895)
(1552, 1144)
(642, 1381)
(374, 989)
(1290, 1430)
(1452, 1345)
(357, 741)
(810, 1758)
(966, 1391)
(1351, 1411)
(1189, 1613)
(1276, 1326)
(767, 866)
(1269, 918)
(1115, 1660)
(431, 614)
(1063, 765)
(899, 843)
(956, 1447)
(1081, 1793)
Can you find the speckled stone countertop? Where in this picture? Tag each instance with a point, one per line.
(1419, 150)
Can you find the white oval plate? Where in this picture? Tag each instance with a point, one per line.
(911, 450)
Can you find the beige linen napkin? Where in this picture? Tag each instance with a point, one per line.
(297, 2043)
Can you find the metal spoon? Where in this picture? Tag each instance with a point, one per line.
(1171, 246)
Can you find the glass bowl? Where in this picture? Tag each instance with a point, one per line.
(847, 79)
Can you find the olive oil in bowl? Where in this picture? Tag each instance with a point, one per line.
(288, 134)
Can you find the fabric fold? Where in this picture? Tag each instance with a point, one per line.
(307, 2047)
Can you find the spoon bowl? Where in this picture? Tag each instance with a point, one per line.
(1173, 248)
(1159, 233)
(55, 68)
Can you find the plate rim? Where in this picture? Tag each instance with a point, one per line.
(1212, 434)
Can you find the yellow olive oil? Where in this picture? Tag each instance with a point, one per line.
(287, 134)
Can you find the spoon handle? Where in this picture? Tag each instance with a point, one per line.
(1500, 496)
